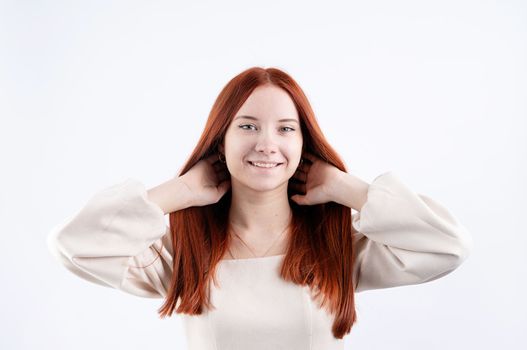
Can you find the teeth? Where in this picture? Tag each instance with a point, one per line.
(264, 165)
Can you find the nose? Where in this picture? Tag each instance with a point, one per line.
(266, 143)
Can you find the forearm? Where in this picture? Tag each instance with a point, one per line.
(351, 191)
(170, 196)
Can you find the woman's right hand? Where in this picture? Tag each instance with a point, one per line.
(208, 180)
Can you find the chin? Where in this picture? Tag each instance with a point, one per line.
(264, 185)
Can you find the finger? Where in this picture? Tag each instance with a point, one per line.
(299, 199)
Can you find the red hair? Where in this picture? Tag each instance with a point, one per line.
(320, 253)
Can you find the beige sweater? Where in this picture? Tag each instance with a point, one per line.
(402, 238)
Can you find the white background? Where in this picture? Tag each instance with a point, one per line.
(93, 92)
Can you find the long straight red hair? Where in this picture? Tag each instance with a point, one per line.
(320, 252)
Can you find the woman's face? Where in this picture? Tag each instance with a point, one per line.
(265, 129)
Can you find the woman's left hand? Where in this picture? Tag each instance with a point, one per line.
(317, 179)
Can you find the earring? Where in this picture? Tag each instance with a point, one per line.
(219, 157)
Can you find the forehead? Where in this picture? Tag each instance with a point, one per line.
(269, 102)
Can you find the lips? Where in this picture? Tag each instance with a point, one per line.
(263, 162)
(276, 164)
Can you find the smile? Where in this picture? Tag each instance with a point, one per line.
(264, 165)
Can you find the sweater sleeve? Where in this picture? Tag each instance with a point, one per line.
(119, 239)
(402, 237)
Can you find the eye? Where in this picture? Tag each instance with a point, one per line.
(251, 125)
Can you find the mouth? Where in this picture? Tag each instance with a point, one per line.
(264, 165)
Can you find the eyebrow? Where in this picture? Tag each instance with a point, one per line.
(254, 118)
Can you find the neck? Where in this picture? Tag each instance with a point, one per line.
(259, 215)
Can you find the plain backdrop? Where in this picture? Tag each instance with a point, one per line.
(93, 92)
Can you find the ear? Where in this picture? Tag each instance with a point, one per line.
(221, 148)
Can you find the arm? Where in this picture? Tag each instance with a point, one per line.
(352, 191)
(402, 237)
(119, 239)
(172, 195)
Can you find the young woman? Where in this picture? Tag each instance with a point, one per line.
(263, 209)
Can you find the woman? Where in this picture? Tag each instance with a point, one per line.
(263, 209)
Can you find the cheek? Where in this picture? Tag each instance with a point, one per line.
(295, 152)
(236, 155)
